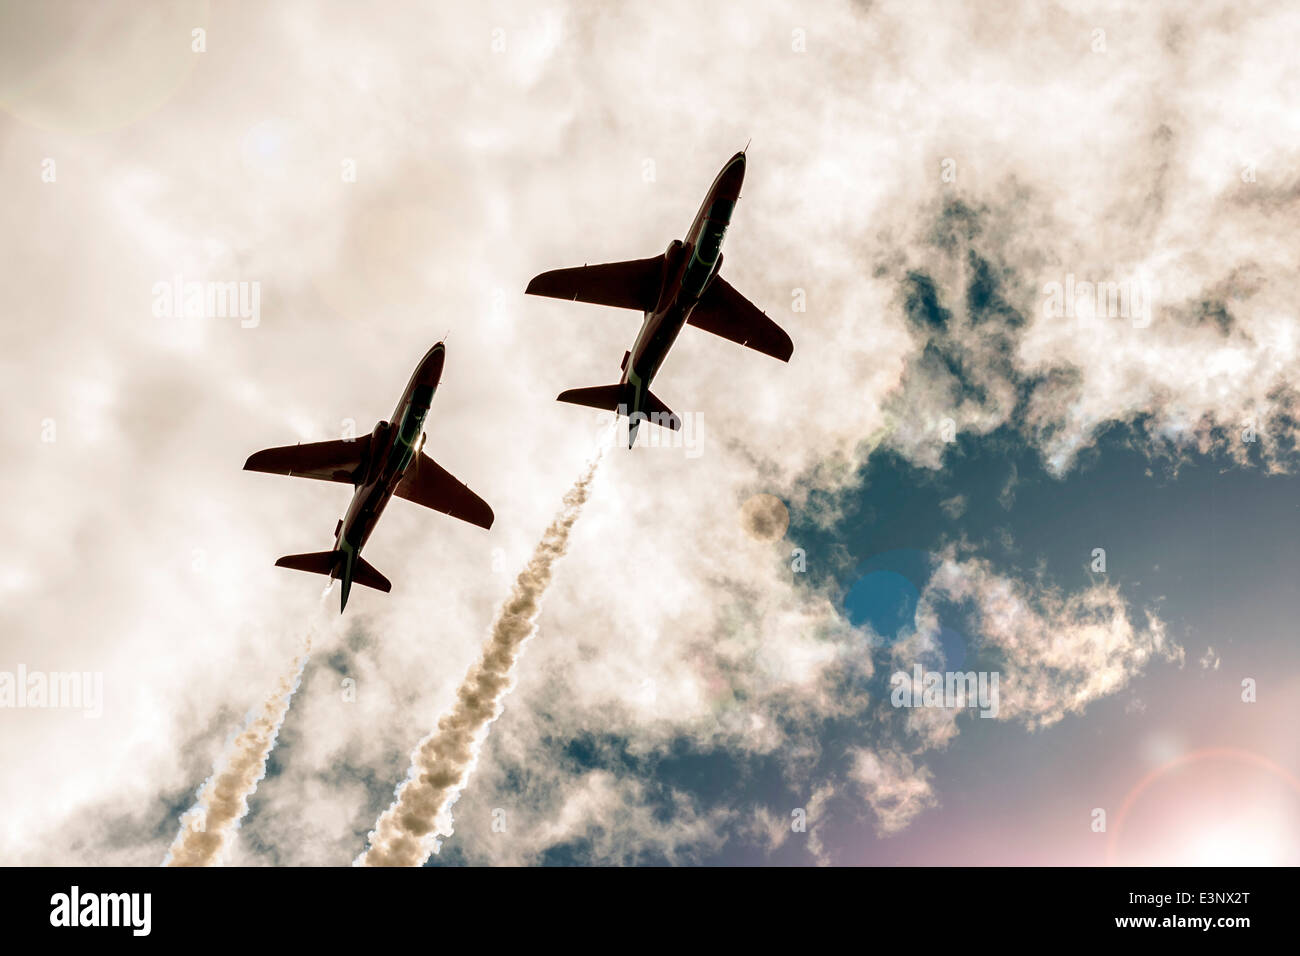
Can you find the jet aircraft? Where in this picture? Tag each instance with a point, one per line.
(680, 287)
(389, 461)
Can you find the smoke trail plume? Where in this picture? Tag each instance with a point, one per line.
(407, 832)
(208, 827)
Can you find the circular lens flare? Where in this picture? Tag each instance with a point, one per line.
(1211, 807)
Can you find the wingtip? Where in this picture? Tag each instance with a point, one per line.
(787, 346)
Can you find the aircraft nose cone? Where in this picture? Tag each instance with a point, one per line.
(733, 174)
(431, 367)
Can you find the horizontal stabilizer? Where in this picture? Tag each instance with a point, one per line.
(725, 312)
(634, 284)
(657, 413)
(318, 562)
(607, 397)
(363, 572)
(324, 460)
(328, 562)
(427, 483)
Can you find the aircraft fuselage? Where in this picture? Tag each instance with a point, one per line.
(689, 265)
(394, 444)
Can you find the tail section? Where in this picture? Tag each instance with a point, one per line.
(607, 397)
(363, 572)
(652, 410)
(346, 566)
(638, 404)
(318, 562)
(657, 413)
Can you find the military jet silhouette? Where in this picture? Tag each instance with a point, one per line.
(389, 461)
(680, 287)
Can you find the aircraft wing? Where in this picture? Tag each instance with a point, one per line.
(634, 284)
(323, 460)
(725, 312)
(427, 483)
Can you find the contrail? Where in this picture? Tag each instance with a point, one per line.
(407, 832)
(208, 827)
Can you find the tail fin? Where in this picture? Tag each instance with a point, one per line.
(607, 397)
(657, 413)
(335, 564)
(318, 562)
(363, 572)
(360, 571)
(623, 399)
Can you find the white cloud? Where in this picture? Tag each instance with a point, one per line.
(1055, 653)
(894, 788)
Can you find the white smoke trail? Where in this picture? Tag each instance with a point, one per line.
(208, 828)
(407, 832)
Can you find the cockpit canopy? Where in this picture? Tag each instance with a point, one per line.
(715, 227)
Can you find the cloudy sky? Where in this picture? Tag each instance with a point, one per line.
(974, 461)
